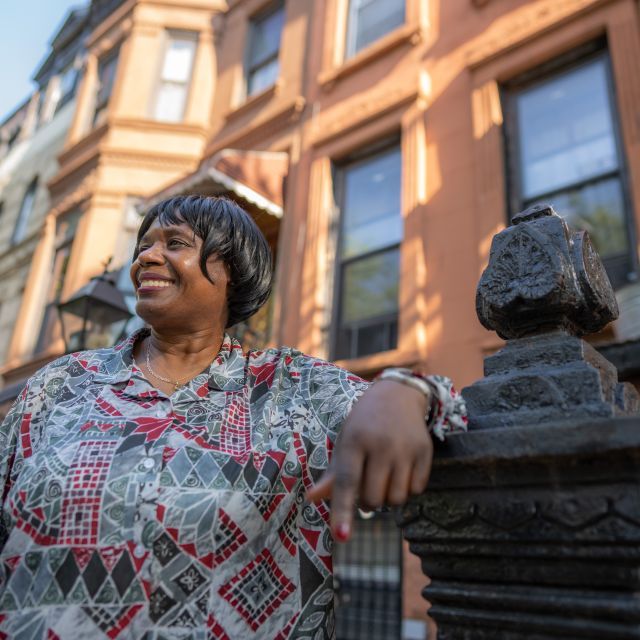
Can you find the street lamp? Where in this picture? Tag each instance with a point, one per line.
(95, 315)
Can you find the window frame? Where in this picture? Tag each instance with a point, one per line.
(66, 97)
(338, 172)
(62, 251)
(24, 213)
(351, 30)
(249, 68)
(561, 65)
(172, 35)
(102, 106)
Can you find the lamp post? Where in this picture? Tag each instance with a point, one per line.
(95, 315)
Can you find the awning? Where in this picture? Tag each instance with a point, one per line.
(255, 177)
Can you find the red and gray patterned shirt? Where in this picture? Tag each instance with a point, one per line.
(131, 514)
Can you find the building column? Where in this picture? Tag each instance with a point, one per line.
(27, 327)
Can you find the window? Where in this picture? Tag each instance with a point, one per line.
(263, 66)
(563, 149)
(369, 20)
(65, 231)
(26, 207)
(175, 76)
(106, 76)
(67, 87)
(368, 269)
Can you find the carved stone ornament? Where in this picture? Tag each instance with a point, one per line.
(541, 276)
(544, 287)
(530, 526)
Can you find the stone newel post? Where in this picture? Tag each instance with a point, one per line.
(530, 527)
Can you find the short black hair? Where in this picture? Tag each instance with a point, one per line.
(230, 233)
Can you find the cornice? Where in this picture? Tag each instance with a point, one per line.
(89, 143)
(148, 159)
(155, 126)
(367, 109)
(530, 22)
(256, 129)
(111, 22)
(77, 194)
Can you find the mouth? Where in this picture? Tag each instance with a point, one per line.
(151, 283)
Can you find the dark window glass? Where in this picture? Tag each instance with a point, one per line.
(106, 76)
(369, 20)
(369, 255)
(564, 150)
(264, 49)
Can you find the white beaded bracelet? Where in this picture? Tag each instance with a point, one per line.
(406, 376)
(447, 411)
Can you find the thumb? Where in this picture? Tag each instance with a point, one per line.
(322, 489)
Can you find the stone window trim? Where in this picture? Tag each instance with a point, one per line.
(260, 98)
(250, 67)
(24, 213)
(534, 41)
(66, 229)
(573, 60)
(336, 64)
(108, 65)
(169, 36)
(240, 102)
(400, 123)
(340, 166)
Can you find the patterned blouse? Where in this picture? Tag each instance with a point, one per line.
(131, 514)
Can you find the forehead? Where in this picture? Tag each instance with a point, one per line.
(158, 228)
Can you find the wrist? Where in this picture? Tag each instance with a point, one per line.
(406, 393)
(414, 381)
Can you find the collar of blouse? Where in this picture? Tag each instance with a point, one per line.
(227, 372)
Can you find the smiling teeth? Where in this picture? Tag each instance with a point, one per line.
(155, 283)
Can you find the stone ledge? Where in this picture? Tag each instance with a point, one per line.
(568, 438)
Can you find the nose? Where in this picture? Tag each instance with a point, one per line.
(151, 254)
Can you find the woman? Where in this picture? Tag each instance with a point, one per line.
(174, 487)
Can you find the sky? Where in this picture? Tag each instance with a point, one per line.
(26, 28)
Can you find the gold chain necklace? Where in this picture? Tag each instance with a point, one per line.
(176, 383)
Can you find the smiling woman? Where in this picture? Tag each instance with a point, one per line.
(175, 486)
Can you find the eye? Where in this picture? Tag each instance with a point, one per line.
(176, 242)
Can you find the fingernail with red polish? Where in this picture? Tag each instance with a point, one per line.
(342, 532)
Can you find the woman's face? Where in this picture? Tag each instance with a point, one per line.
(171, 290)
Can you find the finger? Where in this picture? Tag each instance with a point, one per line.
(400, 484)
(347, 474)
(375, 482)
(322, 489)
(421, 472)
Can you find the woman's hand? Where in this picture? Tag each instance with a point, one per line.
(382, 456)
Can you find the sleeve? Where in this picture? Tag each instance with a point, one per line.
(16, 437)
(326, 395)
(448, 413)
(9, 445)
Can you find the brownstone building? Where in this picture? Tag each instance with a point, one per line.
(380, 144)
